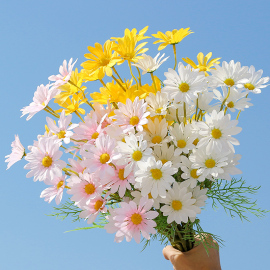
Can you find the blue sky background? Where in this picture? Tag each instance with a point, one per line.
(36, 36)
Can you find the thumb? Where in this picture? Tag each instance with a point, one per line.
(169, 252)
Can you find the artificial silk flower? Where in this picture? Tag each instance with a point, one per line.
(64, 73)
(149, 64)
(17, 152)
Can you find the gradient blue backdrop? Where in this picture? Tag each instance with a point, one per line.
(36, 36)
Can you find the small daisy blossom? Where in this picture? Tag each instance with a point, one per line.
(64, 73)
(100, 156)
(154, 177)
(229, 74)
(132, 151)
(56, 191)
(17, 152)
(131, 115)
(185, 86)
(255, 82)
(63, 130)
(84, 188)
(208, 164)
(217, 131)
(179, 205)
(132, 220)
(41, 99)
(149, 64)
(44, 160)
(157, 103)
(96, 206)
(157, 132)
(138, 195)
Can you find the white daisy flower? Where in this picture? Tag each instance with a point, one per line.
(63, 130)
(17, 152)
(217, 131)
(149, 64)
(154, 177)
(44, 160)
(208, 164)
(132, 151)
(189, 173)
(204, 100)
(229, 74)
(185, 85)
(236, 101)
(157, 132)
(157, 103)
(179, 205)
(41, 99)
(255, 82)
(179, 117)
(131, 115)
(166, 153)
(182, 137)
(138, 195)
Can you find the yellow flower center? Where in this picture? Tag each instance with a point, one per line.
(98, 204)
(176, 205)
(94, 135)
(60, 184)
(230, 104)
(216, 133)
(123, 140)
(210, 163)
(150, 196)
(229, 82)
(164, 161)
(61, 134)
(104, 61)
(202, 68)
(183, 87)
(156, 139)
(249, 86)
(136, 219)
(47, 161)
(193, 173)
(195, 142)
(121, 174)
(104, 158)
(89, 189)
(137, 155)
(181, 143)
(134, 120)
(156, 173)
(158, 110)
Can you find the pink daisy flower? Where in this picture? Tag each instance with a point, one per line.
(44, 160)
(99, 157)
(76, 165)
(17, 152)
(55, 191)
(65, 73)
(63, 130)
(84, 188)
(41, 99)
(132, 220)
(132, 115)
(91, 211)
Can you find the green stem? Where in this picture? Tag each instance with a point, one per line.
(114, 69)
(129, 64)
(153, 79)
(175, 58)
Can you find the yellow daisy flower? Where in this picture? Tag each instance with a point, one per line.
(203, 64)
(133, 33)
(172, 38)
(101, 59)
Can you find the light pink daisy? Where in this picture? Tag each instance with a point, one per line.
(63, 130)
(91, 211)
(41, 99)
(64, 73)
(100, 156)
(17, 152)
(132, 220)
(84, 188)
(55, 191)
(44, 160)
(132, 115)
(76, 165)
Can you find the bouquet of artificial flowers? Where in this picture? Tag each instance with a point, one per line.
(144, 157)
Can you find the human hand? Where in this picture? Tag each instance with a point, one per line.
(194, 259)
